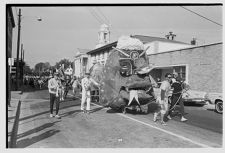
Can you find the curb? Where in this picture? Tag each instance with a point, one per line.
(13, 137)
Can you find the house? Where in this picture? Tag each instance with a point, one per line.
(80, 62)
(100, 55)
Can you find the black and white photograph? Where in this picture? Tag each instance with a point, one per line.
(112, 75)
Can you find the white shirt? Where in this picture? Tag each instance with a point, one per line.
(52, 85)
(86, 83)
(167, 87)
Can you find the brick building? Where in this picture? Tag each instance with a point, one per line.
(200, 66)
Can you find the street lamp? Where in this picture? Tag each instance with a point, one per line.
(18, 47)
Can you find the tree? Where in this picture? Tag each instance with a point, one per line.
(42, 67)
(66, 63)
(27, 69)
(39, 67)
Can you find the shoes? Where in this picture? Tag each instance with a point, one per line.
(163, 123)
(51, 115)
(57, 116)
(183, 119)
(155, 117)
(169, 117)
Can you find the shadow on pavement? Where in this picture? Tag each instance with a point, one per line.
(45, 112)
(71, 113)
(96, 109)
(29, 141)
(129, 111)
(35, 130)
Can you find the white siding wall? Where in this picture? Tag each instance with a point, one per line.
(157, 47)
(165, 46)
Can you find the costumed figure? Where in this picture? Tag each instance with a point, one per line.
(123, 79)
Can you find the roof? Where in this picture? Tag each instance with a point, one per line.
(113, 44)
(147, 39)
(188, 48)
(81, 51)
(143, 39)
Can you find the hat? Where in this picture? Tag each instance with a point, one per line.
(144, 70)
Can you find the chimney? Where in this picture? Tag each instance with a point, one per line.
(193, 41)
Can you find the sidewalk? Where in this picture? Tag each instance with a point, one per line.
(16, 96)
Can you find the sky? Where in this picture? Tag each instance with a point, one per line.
(64, 29)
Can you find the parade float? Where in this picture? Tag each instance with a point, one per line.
(124, 80)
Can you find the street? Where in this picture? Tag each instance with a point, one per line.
(104, 128)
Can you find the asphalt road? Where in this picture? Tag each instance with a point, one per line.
(104, 128)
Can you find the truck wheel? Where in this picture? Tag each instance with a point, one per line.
(219, 107)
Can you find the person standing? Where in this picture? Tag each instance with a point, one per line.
(86, 83)
(176, 98)
(75, 85)
(53, 86)
(163, 98)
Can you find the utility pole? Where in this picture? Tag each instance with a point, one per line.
(18, 51)
(21, 53)
(21, 65)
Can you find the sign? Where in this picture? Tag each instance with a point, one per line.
(11, 61)
(13, 70)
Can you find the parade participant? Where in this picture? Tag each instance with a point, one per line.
(86, 83)
(60, 89)
(75, 85)
(52, 86)
(163, 98)
(69, 71)
(67, 84)
(176, 98)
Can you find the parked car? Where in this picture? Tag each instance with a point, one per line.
(195, 97)
(217, 100)
(190, 96)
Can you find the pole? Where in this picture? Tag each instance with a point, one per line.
(21, 65)
(23, 54)
(21, 74)
(18, 50)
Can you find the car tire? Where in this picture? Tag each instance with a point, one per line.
(219, 107)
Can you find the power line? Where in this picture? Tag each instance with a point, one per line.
(200, 15)
(106, 19)
(93, 13)
(96, 14)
